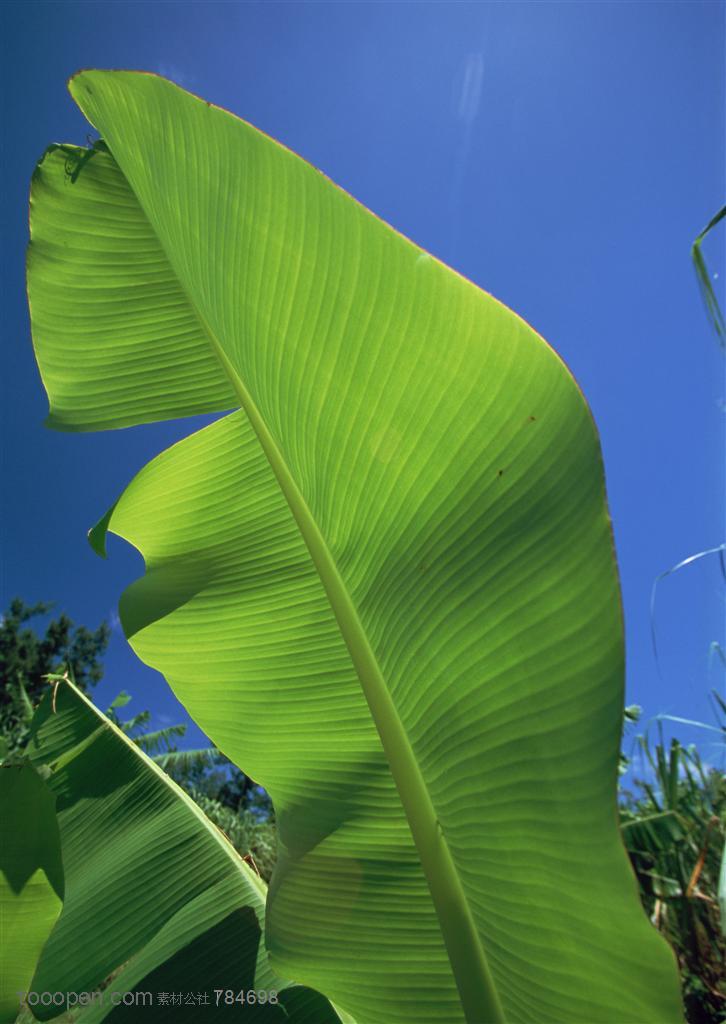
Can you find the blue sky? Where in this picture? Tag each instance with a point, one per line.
(561, 155)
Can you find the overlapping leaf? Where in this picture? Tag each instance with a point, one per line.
(31, 879)
(385, 587)
(157, 900)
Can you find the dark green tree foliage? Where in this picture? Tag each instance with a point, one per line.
(222, 781)
(27, 657)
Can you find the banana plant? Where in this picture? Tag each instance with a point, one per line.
(157, 900)
(383, 584)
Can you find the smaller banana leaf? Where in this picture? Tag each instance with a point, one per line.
(158, 902)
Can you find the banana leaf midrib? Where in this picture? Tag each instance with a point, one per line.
(477, 989)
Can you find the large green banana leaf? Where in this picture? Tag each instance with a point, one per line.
(31, 879)
(385, 587)
(157, 900)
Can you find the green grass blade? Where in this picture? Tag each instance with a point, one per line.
(710, 301)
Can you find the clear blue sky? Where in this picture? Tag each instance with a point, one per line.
(561, 155)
